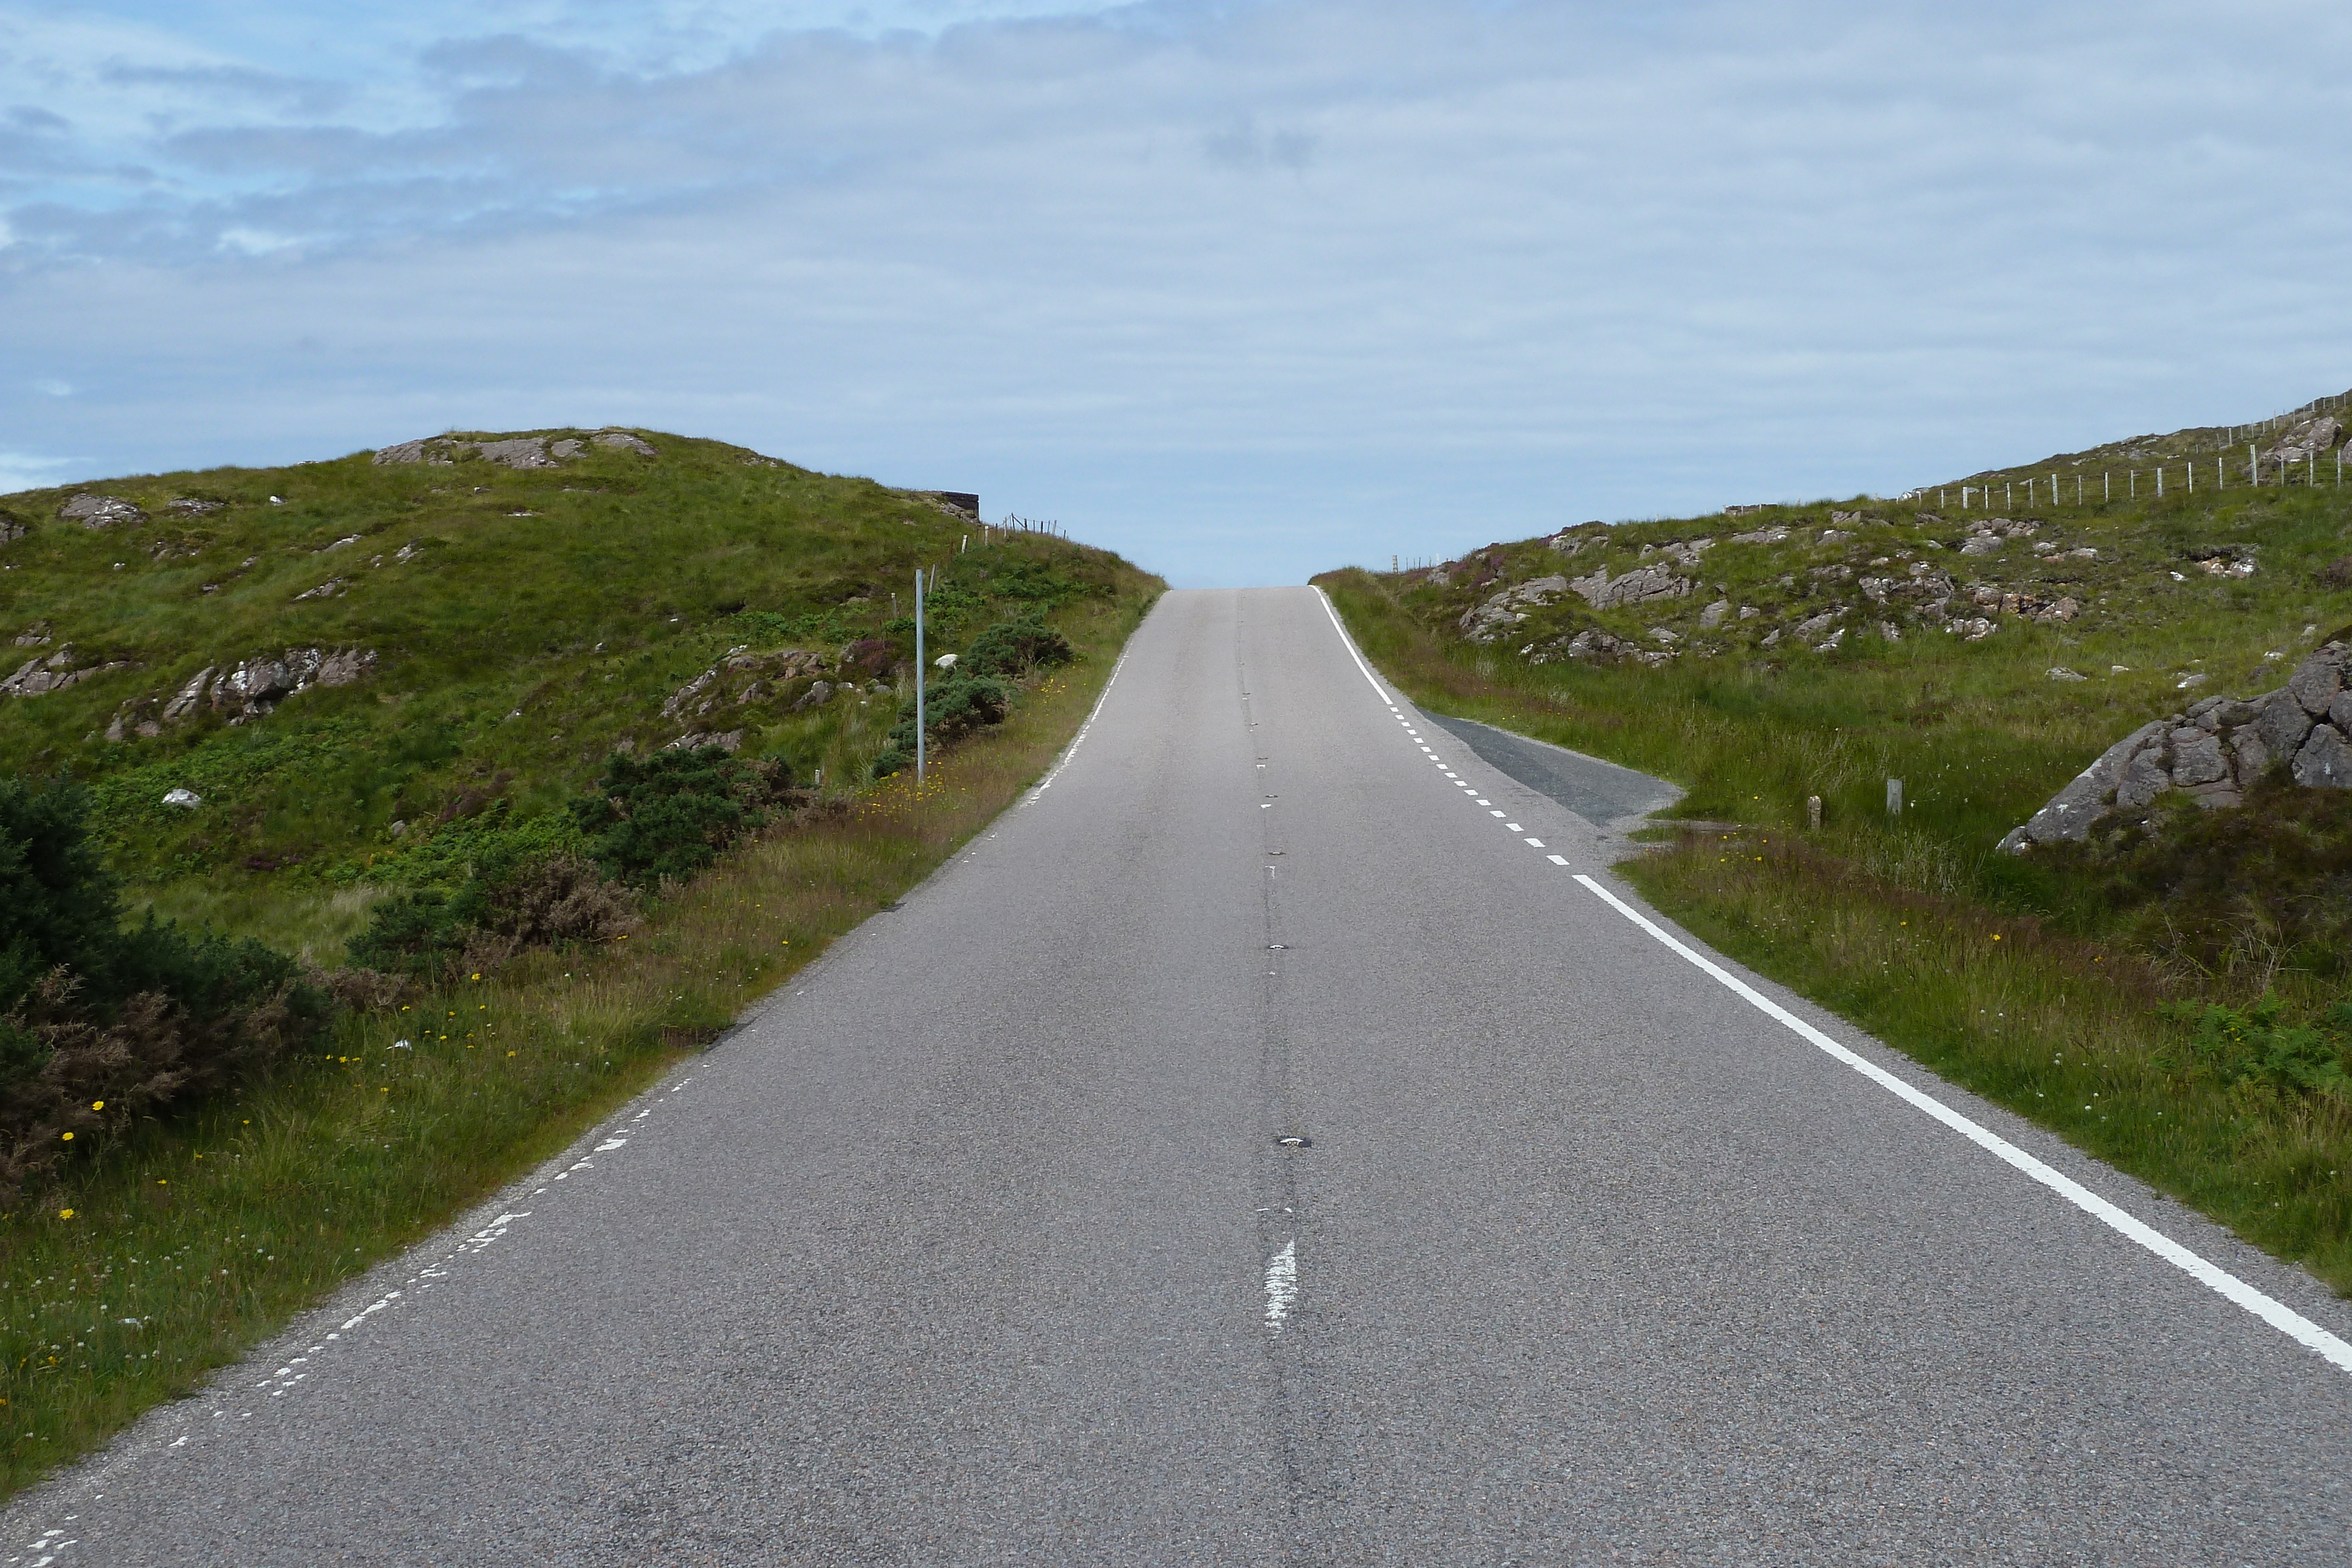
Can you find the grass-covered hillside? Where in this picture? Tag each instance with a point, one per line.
(346, 661)
(476, 787)
(2175, 990)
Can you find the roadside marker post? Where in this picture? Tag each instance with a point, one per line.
(1895, 797)
(919, 667)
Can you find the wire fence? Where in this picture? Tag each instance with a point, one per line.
(2282, 464)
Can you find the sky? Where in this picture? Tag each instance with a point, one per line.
(1245, 290)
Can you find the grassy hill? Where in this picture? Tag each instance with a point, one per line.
(2172, 993)
(466, 707)
(487, 634)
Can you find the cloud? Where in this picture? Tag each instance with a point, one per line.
(1249, 288)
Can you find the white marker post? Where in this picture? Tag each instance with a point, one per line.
(1895, 797)
(919, 667)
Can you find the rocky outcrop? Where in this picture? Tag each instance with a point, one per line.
(1485, 623)
(741, 679)
(1642, 585)
(99, 511)
(2214, 751)
(249, 690)
(727, 740)
(2303, 442)
(37, 676)
(512, 452)
(1593, 645)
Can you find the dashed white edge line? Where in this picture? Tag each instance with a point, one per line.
(2280, 1316)
(1080, 738)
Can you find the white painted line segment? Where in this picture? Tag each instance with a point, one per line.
(2280, 1316)
(1080, 738)
(1281, 1286)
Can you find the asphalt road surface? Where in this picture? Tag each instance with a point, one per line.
(981, 1245)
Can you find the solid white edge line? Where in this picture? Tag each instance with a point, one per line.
(1080, 738)
(1349, 643)
(2280, 1316)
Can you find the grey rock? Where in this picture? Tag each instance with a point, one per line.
(2318, 679)
(2061, 673)
(521, 452)
(2214, 797)
(2145, 778)
(2283, 724)
(1712, 616)
(186, 799)
(1814, 625)
(2071, 810)
(626, 442)
(1774, 535)
(345, 667)
(36, 635)
(2197, 758)
(2326, 760)
(726, 740)
(432, 450)
(99, 511)
(2304, 439)
(2249, 755)
(2339, 711)
(1642, 585)
(333, 588)
(817, 696)
(1982, 544)
(570, 446)
(1487, 621)
(190, 695)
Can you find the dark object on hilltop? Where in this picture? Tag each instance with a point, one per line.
(963, 501)
(104, 1024)
(670, 814)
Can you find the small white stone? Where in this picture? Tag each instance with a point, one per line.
(187, 799)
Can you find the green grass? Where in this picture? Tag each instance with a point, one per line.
(2078, 1017)
(515, 654)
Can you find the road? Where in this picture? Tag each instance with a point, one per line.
(980, 1244)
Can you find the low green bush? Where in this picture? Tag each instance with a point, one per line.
(1015, 648)
(104, 1025)
(952, 709)
(670, 814)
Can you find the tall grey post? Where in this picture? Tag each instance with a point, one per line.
(919, 668)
